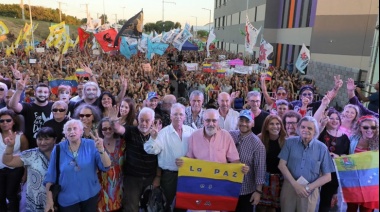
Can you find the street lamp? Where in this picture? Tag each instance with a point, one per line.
(209, 19)
(163, 2)
(196, 24)
(123, 13)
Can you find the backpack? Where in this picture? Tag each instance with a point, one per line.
(153, 200)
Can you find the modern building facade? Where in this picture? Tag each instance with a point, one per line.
(339, 32)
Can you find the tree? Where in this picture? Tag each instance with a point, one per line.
(177, 25)
(83, 21)
(121, 21)
(149, 27)
(202, 33)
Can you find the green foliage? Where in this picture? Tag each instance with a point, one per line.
(102, 19)
(38, 13)
(160, 26)
(202, 33)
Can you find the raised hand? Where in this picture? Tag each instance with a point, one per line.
(113, 112)
(338, 82)
(350, 84)
(98, 141)
(326, 100)
(10, 140)
(154, 131)
(86, 69)
(16, 72)
(21, 83)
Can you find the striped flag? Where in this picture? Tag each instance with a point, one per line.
(358, 176)
(251, 34)
(70, 81)
(204, 185)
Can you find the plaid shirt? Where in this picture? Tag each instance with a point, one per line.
(252, 153)
(189, 118)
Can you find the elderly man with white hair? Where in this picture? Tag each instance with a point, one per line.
(169, 144)
(306, 165)
(140, 168)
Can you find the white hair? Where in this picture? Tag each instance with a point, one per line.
(147, 110)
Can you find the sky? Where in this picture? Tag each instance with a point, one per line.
(182, 11)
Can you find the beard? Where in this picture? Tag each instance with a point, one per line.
(41, 100)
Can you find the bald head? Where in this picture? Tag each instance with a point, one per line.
(224, 101)
(167, 102)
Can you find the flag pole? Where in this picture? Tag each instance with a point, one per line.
(246, 15)
(31, 26)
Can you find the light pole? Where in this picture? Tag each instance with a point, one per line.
(163, 3)
(31, 25)
(123, 13)
(104, 13)
(209, 19)
(196, 24)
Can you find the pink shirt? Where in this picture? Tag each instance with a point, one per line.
(221, 148)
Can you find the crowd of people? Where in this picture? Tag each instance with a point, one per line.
(124, 128)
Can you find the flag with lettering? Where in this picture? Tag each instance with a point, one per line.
(106, 39)
(303, 59)
(251, 34)
(3, 28)
(55, 34)
(204, 185)
(182, 37)
(358, 176)
(131, 28)
(265, 50)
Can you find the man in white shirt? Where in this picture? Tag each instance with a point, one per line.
(228, 118)
(169, 144)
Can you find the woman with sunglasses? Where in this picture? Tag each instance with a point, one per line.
(36, 162)
(111, 182)
(10, 177)
(59, 110)
(89, 116)
(273, 137)
(337, 143)
(364, 138)
(79, 161)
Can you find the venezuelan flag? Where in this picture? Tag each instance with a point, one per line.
(81, 73)
(204, 185)
(207, 68)
(70, 81)
(358, 176)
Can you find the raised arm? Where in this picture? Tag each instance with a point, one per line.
(8, 158)
(14, 102)
(268, 99)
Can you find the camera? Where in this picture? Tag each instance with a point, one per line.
(360, 84)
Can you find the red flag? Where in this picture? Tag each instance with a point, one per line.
(83, 36)
(106, 39)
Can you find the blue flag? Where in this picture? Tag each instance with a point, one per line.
(124, 48)
(303, 59)
(157, 48)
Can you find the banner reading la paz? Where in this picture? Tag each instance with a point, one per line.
(358, 176)
(204, 185)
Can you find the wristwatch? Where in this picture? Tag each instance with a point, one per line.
(307, 188)
(101, 152)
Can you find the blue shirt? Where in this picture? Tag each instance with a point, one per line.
(307, 161)
(77, 186)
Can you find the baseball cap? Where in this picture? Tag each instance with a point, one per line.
(152, 95)
(247, 114)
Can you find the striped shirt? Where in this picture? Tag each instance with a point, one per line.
(198, 122)
(252, 153)
(307, 161)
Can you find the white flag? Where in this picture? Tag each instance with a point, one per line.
(251, 34)
(303, 59)
(210, 39)
(265, 50)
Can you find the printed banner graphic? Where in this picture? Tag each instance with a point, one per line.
(204, 185)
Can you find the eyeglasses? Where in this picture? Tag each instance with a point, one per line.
(307, 94)
(1, 89)
(364, 127)
(107, 129)
(58, 110)
(281, 94)
(5, 120)
(75, 164)
(211, 120)
(83, 115)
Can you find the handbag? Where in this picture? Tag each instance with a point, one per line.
(56, 188)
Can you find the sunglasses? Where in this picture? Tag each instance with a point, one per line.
(107, 129)
(83, 115)
(5, 120)
(60, 110)
(307, 94)
(364, 127)
(1, 89)
(281, 94)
